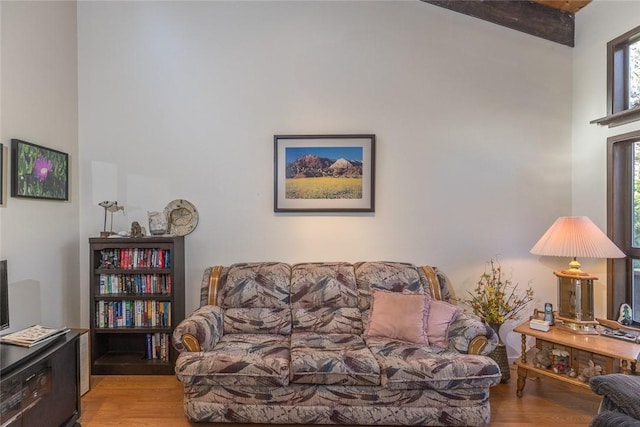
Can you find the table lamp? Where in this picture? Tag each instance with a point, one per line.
(576, 237)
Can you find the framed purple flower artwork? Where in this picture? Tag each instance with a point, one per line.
(1, 174)
(38, 172)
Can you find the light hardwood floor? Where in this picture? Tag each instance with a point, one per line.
(156, 401)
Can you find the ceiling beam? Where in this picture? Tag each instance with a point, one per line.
(526, 16)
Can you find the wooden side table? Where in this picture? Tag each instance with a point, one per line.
(611, 354)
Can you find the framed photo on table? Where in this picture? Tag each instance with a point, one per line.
(324, 173)
(38, 172)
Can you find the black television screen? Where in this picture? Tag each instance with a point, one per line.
(4, 296)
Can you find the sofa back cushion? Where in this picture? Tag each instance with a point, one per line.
(255, 298)
(387, 276)
(263, 320)
(324, 298)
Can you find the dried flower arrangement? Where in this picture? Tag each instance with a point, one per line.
(496, 299)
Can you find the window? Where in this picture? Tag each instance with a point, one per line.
(634, 74)
(623, 211)
(623, 80)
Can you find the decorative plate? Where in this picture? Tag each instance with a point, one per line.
(182, 217)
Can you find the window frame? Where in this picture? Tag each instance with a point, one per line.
(618, 111)
(619, 219)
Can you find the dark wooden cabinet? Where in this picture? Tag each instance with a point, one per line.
(40, 384)
(137, 299)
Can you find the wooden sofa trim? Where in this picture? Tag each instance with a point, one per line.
(477, 344)
(191, 343)
(434, 284)
(214, 283)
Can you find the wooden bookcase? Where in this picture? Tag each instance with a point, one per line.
(137, 299)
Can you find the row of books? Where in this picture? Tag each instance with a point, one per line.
(135, 284)
(129, 313)
(135, 258)
(157, 346)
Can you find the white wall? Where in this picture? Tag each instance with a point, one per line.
(181, 100)
(596, 25)
(39, 238)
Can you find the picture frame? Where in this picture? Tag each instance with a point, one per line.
(324, 173)
(1, 175)
(38, 172)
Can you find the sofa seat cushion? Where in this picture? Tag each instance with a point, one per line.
(332, 359)
(409, 366)
(239, 360)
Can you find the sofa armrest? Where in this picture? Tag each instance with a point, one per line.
(613, 419)
(471, 336)
(620, 392)
(199, 332)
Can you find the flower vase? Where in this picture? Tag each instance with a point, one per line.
(499, 355)
(496, 329)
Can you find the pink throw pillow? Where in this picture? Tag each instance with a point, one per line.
(441, 315)
(399, 316)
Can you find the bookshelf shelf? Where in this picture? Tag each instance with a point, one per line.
(133, 297)
(130, 363)
(133, 270)
(137, 298)
(132, 330)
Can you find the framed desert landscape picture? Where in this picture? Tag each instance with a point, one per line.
(324, 173)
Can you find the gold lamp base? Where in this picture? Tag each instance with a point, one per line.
(575, 326)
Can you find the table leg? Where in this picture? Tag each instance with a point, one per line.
(523, 348)
(522, 377)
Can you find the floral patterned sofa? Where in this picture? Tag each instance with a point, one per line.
(368, 343)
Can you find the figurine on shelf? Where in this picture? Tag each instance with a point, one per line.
(624, 316)
(572, 373)
(109, 206)
(561, 361)
(158, 224)
(590, 371)
(542, 359)
(624, 367)
(136, 229)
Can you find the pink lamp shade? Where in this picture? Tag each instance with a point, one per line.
(576, 236)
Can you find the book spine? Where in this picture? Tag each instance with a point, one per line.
(131, 313)
(138, 321)
(154, 313)
(163, 347)
(149, 348)
(168, 312)
(100, 314)
(110, 318)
